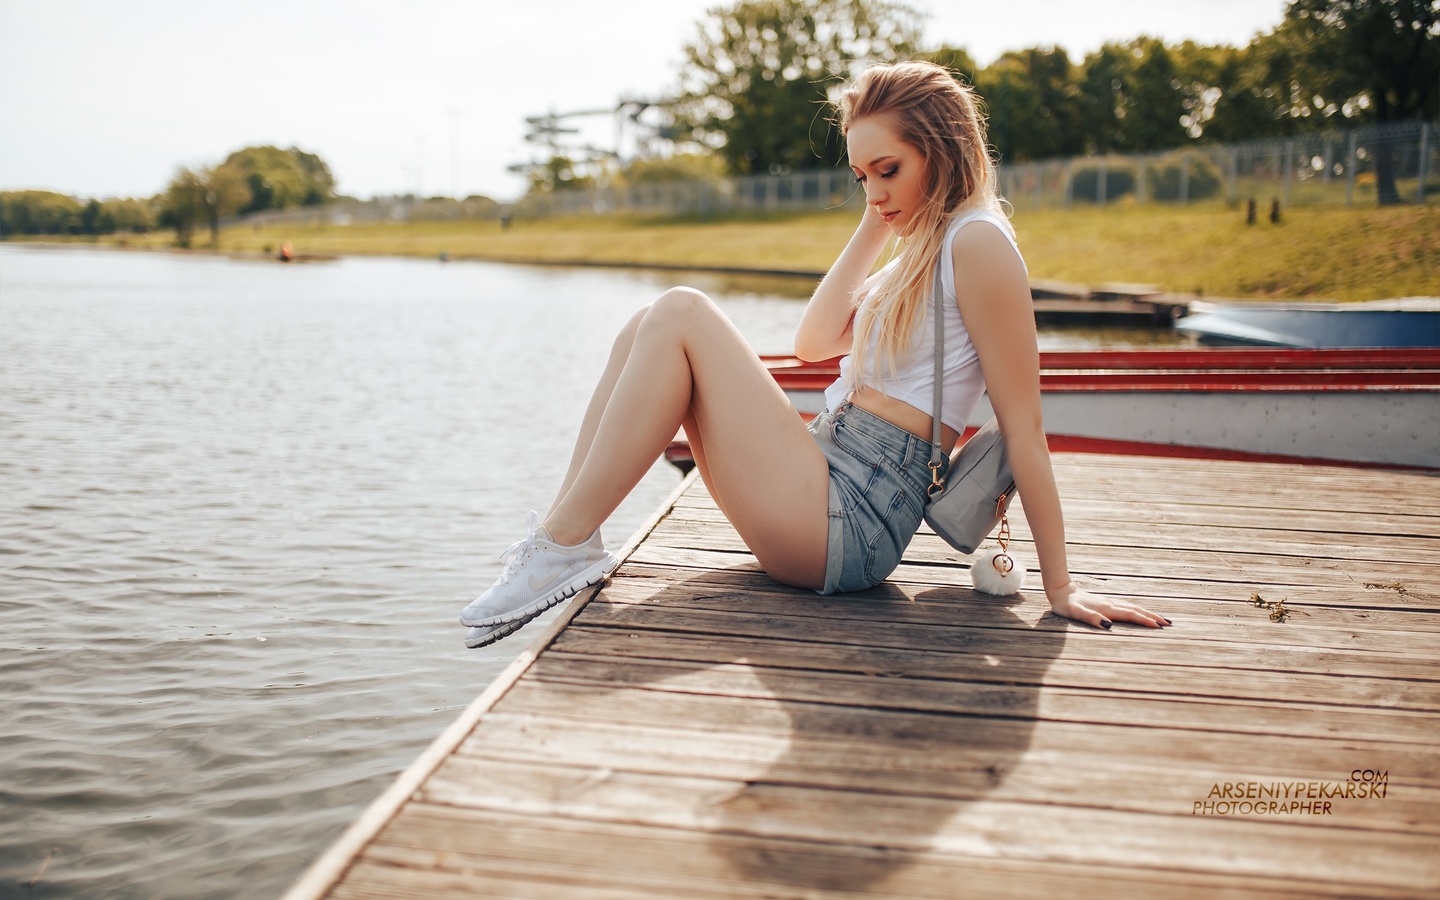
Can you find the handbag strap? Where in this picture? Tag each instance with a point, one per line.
(937, 486)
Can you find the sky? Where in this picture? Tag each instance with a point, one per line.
(107, 99)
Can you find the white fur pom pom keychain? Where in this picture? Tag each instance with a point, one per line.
(995, 570)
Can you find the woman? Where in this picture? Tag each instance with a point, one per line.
(830, 507)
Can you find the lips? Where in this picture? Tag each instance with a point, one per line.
(889, 216)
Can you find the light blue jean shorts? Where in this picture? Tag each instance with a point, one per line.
(878, 476)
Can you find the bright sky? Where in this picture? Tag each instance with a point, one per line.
(104, 98)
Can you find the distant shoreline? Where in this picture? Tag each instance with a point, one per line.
(1209, 252)
(258, 256)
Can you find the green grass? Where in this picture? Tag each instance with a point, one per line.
(1339, 253)
(1313, 253)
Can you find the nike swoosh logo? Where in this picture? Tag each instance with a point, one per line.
(537, 586)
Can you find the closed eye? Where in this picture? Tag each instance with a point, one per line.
(860, 179)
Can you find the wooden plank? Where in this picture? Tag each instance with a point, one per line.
(689, 863)
(1108, 519)
(1106, 777)
(925, 741)
(1246, 570)
(1383, 608)
(916, 695)
(417, 877)
(1264, 487)
(1182, 528)
(1258, 557)
(912, 616)
(1416, 690)
(1154, 532)
(1391, 498)
(917, 824)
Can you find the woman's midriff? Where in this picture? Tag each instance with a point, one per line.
(902, 415)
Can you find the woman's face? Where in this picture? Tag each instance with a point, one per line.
(891, 170)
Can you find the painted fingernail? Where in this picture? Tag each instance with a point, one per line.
(1167, 621)
(1104, 623)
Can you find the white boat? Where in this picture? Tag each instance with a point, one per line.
(1352, 407)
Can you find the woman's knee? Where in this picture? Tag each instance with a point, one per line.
(679, 304)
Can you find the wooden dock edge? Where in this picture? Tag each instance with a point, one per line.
(325, 872)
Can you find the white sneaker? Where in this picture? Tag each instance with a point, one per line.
(539, 573)
(489, 634)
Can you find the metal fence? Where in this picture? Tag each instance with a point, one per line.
(1334, 168)
(378, 210)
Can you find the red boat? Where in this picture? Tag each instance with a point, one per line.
(1366, 407)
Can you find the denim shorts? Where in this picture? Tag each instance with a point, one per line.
(878, 476)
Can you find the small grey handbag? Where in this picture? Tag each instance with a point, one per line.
(970, 492)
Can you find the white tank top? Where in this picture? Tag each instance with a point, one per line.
(914, 378)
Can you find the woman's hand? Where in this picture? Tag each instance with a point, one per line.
(1094, 609)
(871, 222)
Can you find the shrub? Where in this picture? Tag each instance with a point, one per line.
(1085, 181)
(1163, 177)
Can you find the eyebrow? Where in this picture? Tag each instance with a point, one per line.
(879, 159)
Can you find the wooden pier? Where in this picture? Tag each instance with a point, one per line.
(696, 730)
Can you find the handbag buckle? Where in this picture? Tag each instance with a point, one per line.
(936, 486)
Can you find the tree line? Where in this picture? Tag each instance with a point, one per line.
(758, 75)
(251, 179)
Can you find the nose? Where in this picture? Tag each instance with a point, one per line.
(875, 194)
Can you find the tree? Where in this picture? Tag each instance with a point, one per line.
(205, 196)
(182, 204)
(756, 79)
(956, 59)
(1104, 79)
(1223, 96)
(1132, 98)
(225, 194)
(682, 167)
(1156, 102)
(1033, 103)
(128, 214)
(39, 212)
(1366, 58)
(558, 174)
(280, 179)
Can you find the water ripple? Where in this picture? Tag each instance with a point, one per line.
(241, 506)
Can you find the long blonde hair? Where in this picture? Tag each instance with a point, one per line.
(932, 111)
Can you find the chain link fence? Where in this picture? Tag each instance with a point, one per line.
(1400, 161)
(1334, 168)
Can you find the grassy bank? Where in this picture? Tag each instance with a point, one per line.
(1314, 253)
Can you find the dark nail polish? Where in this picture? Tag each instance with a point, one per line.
(1104, 623)
(1167, 621)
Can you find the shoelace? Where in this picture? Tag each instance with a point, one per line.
(517, 553)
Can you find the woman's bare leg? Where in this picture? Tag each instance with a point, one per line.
(619, 353)
(688, 364)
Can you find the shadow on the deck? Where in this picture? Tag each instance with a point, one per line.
(872, 765)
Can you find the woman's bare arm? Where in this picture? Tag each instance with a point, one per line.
(825, 327)
(994, 298)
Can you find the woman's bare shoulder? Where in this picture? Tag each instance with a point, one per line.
(981, 248)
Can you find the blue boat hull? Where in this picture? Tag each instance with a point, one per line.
(1317, 325)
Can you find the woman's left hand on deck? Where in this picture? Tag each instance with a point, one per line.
(1095, 609)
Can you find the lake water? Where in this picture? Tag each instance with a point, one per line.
(241, 505)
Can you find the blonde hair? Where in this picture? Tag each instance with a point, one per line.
(932, 111)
